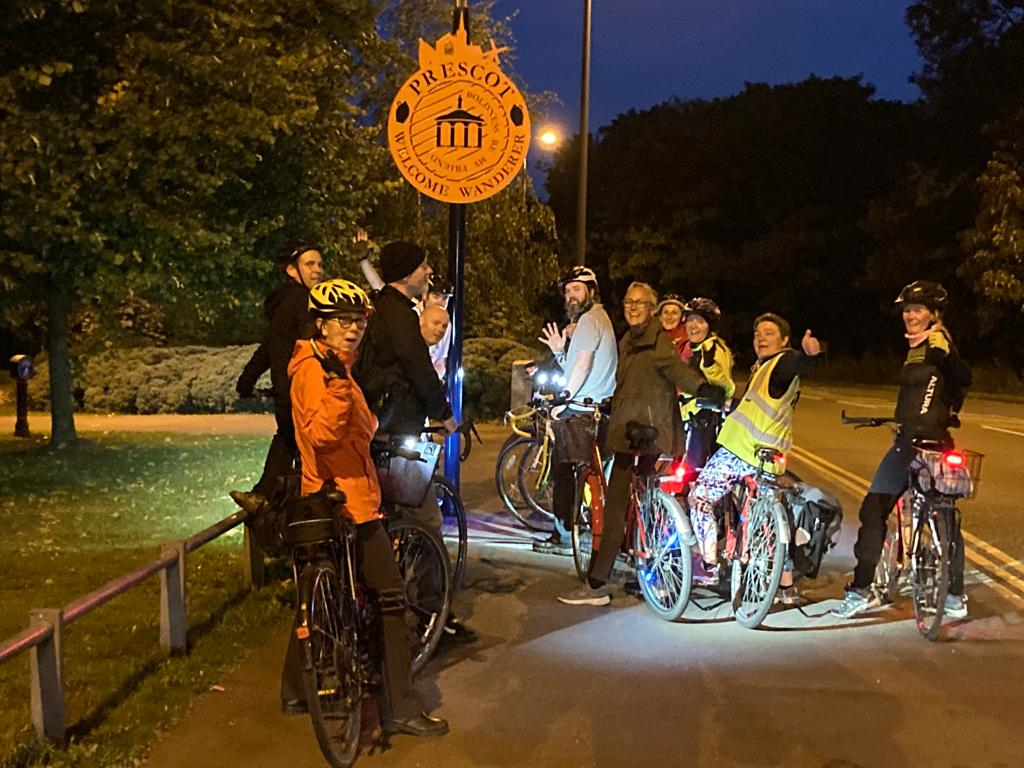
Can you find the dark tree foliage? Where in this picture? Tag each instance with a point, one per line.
(757, 200)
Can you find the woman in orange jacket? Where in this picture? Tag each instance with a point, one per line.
(333, 429)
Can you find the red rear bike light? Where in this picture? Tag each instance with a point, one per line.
(954, 459)
(679, 471)
(780, 459)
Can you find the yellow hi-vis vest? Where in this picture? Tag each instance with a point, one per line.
(761, 419)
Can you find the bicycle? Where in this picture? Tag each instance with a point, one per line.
(658, 536)
(406, 476)
(755, 519)
(337, 630)
(937, 476)
(533, 470)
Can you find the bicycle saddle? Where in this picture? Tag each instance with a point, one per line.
(641, 435)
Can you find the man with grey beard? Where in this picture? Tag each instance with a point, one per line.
(587, 351)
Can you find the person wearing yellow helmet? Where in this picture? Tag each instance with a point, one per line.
(333, 429)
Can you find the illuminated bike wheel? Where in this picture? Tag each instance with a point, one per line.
(535, 486)
(506, 469)
(889, 568)
(332, 672)
(454, 528)
(588, 492)
(929, 571)
(664, 565)
(757, 571)
(423, 564)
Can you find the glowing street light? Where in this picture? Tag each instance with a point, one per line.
(549, 138)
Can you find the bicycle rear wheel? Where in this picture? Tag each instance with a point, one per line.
(505, 472)
(929, 571)
(534, 480)
(757, 572)
(332, 673)
(424, 567)
(454, 527)
(664, 565)
(588, 494)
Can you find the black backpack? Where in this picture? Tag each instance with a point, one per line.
(817, 516)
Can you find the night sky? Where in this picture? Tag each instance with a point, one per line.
(646, 51)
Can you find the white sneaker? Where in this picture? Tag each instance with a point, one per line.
(956, 606)
(585, 595)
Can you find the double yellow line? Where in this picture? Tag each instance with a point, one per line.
(991, 560)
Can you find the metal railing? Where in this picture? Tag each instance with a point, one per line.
(44, 637)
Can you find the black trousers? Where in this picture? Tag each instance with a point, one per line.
(616, 503)
(376, 564)
(283, 449)
(889, 483)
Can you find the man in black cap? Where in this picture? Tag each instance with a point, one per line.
(395, 372)
(286, 311)
(394, 368)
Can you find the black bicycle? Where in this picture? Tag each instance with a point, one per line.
(938, 476)
(338, 628)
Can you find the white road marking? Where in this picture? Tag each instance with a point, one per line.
(1000, 429)
(865, 403)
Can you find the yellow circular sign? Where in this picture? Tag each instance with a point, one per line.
(458, 128)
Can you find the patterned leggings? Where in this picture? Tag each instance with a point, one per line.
(719, 475)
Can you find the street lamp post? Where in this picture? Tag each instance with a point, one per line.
(581, 191)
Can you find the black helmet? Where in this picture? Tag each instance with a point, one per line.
(706, 308)
(439, 285)
(290, 251)
(577, 274)
(924, 292)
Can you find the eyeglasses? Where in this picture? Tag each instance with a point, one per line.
(637, 303)
(347, 322)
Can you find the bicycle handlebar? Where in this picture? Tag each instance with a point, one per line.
(859, 422)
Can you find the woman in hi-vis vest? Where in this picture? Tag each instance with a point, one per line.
(764, 416)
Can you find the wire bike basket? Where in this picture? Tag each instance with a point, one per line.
(950, 473)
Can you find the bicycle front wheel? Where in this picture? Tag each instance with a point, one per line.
(887, 572)
(757, 571)
(664, 566)
(589, 497)
(332, 673)
(423, 564)
(454, 527)
(506, 469)
(534, 480)
(929, 571)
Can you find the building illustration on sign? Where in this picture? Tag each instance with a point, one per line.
(460, 129)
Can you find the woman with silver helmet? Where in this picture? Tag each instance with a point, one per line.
(932, 386)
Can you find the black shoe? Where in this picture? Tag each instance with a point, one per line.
(552, 546)
(294, 707)
(457, 632)
(417, 725)
(632, 587)
(250, 501)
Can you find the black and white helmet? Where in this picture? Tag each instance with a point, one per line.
(924, 292)
(577, 274)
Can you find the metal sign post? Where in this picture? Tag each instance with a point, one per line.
(459, 131)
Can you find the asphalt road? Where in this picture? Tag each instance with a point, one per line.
(552, 685)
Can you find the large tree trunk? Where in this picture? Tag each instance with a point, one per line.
(62, 414)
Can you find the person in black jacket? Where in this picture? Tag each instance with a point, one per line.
(287, 317)
(394, 368)
(933, 385)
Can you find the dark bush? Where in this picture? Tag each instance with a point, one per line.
(202, 379)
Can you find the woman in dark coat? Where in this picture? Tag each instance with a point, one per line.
(648, 376)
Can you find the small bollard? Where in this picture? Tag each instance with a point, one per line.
(21, 368)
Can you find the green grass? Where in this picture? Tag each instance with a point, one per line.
(77, 518)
